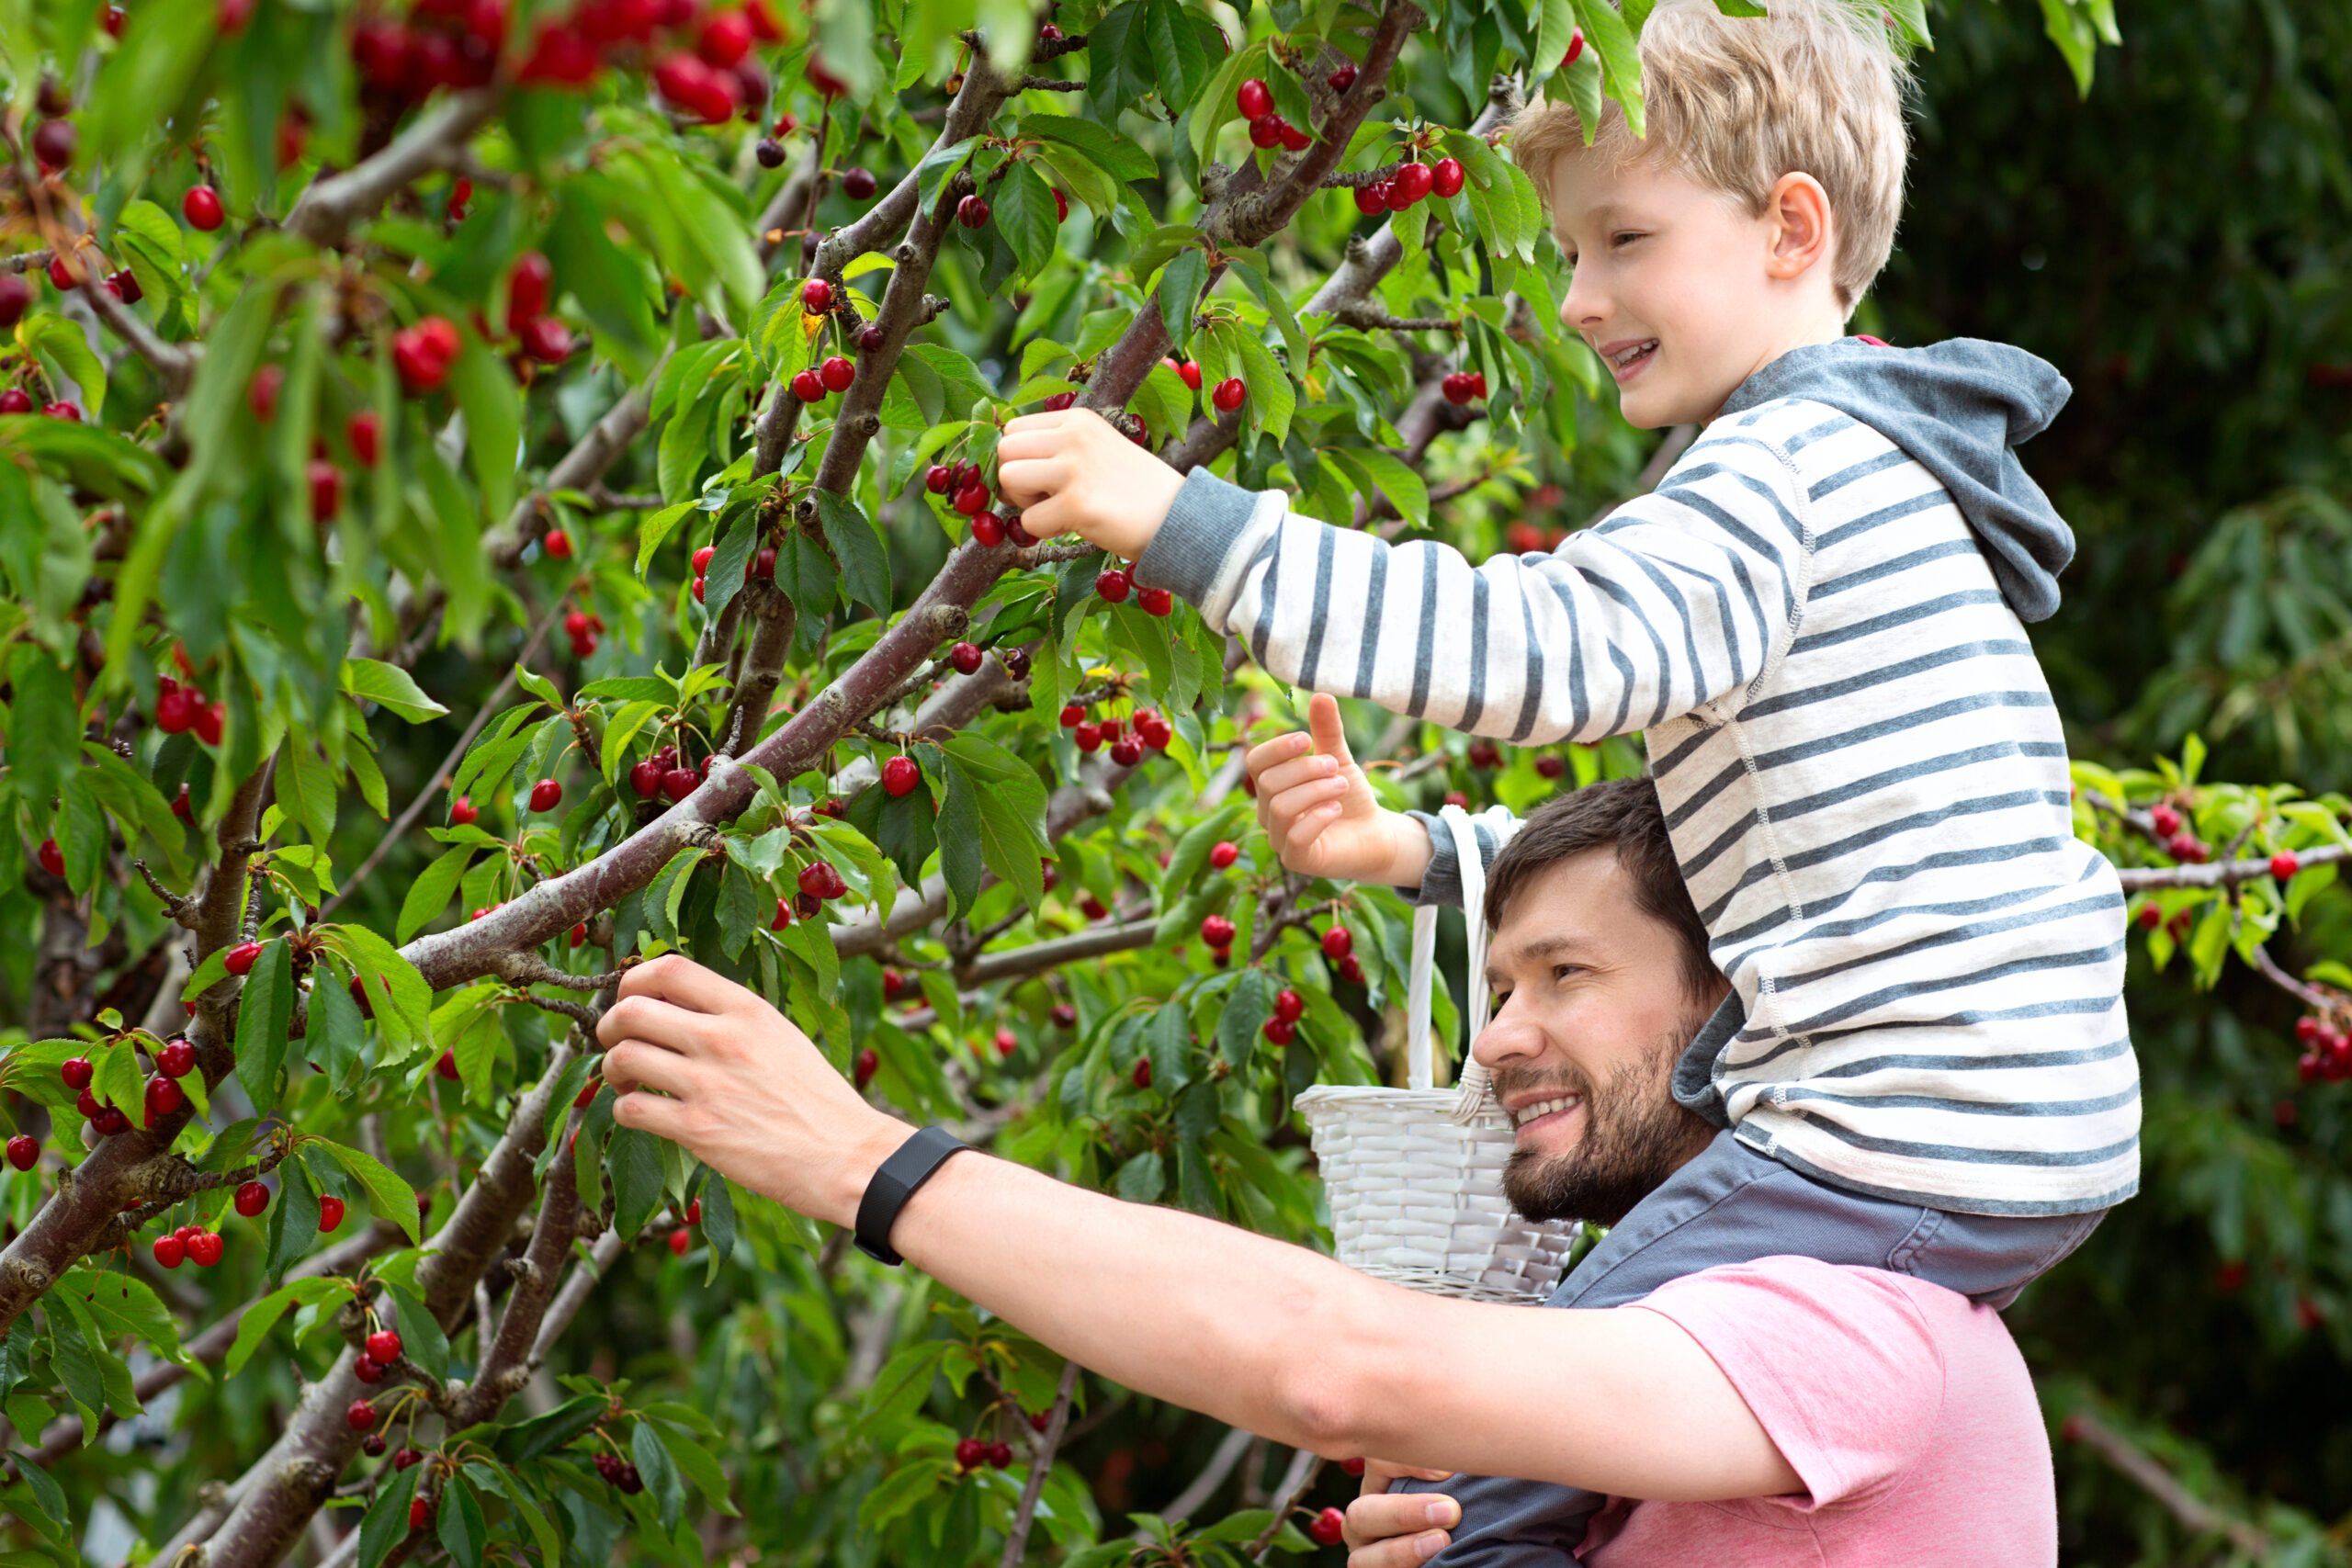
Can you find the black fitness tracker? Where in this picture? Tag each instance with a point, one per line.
(905, 1170)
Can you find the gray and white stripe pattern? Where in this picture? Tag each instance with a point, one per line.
(1860, 761)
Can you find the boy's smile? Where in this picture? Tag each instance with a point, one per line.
(1680, 290)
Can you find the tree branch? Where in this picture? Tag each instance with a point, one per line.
(2196, 1514)
(1041, 1464)
(437, 140)
(2221, 873)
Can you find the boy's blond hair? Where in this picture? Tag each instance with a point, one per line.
(1737, 102)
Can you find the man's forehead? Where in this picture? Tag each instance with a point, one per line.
(1566, 911)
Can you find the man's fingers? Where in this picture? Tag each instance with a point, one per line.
(1323, 723)
(656, 1022)
(1379, 1472)
(652, 1113)
(635, 1064)
(684, 983)
(1399, 1551)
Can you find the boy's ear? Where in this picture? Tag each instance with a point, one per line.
(1803, 231)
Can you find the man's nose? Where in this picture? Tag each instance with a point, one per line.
(1511, 1035)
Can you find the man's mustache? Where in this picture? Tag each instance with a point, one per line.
(1510, 1082)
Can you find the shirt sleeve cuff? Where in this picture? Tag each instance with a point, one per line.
(1442, 883)
(1203, 524)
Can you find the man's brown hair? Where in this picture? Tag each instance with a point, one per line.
(1623, 815)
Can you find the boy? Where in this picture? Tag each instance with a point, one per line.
(1923, 1064)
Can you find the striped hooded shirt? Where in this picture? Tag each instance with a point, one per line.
(1817, 631)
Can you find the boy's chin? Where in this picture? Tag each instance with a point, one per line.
(1655, 407)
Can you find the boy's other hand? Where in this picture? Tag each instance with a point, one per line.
(1399, 1530)
(1320, 812)
(1072, 473)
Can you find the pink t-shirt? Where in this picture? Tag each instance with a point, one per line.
(1906, 1413)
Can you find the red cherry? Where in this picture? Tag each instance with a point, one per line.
(2285, 864)
(1039, 1420)
(1372, 199)
(969, 1452)
(1266, 130)
(645, 778)
(53, 142)
(859, 183)
(2165, 820)
(1000, 1456)
(817, 296)
(1445, 180)
(900, 776)
(77, 1072)
(1086, 737)
(2308, 1030)
(445, 1065)
(972, 212)
(63, 409)
(201, 208)
(1340, 81)
(384, 1344)
(420, 1509)
(163, 1097)
(1156, 601)
(1224, 854)
(938, 479)
(546, 339)
(15, 400)
(52, 859)
(868, 1063)
(678, 782)
(1064, 1016)
(1414, 181)
(1280, 1030)
(1294, 140)
(367, 1369)
(1141, 1074)
(1126, 754)
(24, 1153)
(783, 915)
(965, 657)
(239, 958)
(1352, 1466)
(1229, 394)
(1113, 584)
(529, 285)
(1289, 1006)
(169, 1250)
(1551, 767)
(1216, 930)
(837, 373)
(1254, 99)
(546, 796)
(680, 1239)
(725, 40)
(1338, 942)
(1328, 1526)
(326, 489)
(1007, 1043)
(1576, 46)
(329, 1211)
(204, 1248)
(252, 1198)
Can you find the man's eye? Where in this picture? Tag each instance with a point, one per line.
(1562, 970)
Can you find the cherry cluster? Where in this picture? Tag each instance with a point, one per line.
(423, 353)
(582, 627)
(820, 880)
(190, 1244)
(2178, 838)
(619, 1472)
(761, 565)
(180, 708)
(970, 1453)
(1462, 388)
(1267, 128)
(529, 287)
(1113, 583)
(1408, 185)
(1090, 736)
(1340, 948)
(1289, 1008)
(2327, 1049)
(664, 774)
(682, 1237)
(442, 44)
(1526, 539)
(381, 1349)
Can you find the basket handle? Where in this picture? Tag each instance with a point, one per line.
(1420, 1066)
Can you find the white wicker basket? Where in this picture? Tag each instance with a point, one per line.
(1415, 1176)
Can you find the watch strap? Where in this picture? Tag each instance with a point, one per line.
(909, 1166)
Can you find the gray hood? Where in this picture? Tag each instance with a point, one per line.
(1959, 407)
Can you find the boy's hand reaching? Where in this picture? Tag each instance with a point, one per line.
(1321, 814)
(1072, 473)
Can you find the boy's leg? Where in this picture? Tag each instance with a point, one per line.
(1731, 1204)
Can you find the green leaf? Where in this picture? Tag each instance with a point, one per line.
(1619, 55)
(429, 893)
(486, 393)
(459, 1523)
(386, 1522)
(118, 1083)
(388, 1193)
(659, 1470)
(1372, 469)
(939, 167)
(959, 830)
(1012, 811)
(696, 1463)
(857, 546)
(264, 1009)
(634, 1158)
(1179, 295)
(717, 1221)
(124, 1304)
(389, 686)
(1115, 153)
(1247, 1008)
(422, 1340)
(294, 1216)
(1024, 212)
(1142, 1178)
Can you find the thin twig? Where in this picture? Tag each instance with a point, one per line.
(1041, 1464)
(2196, 1514)
(1304, 1468)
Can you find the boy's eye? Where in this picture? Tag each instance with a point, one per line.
(1622, 240)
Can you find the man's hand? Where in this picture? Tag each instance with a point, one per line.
(1072, 473)
(1398, 1530)
(747, 1093)
(1319, 810)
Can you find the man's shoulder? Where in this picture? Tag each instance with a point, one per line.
(1787, 1297)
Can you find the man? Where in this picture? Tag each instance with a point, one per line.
(1844, 1415)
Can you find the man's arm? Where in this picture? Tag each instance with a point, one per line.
(1253, 1331)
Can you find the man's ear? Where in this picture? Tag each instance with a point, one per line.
(1803, 230)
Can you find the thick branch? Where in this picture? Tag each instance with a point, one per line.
(174, 364)
(2196, 1514)
(437, 140)
(578, 469)
(1040, 956)
(2221, 873)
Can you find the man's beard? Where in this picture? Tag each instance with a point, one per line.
(1635, 1136)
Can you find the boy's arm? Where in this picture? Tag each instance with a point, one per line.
(1681, 598)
